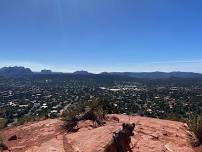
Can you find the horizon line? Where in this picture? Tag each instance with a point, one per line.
(71, 72)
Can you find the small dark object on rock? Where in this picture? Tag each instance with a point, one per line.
(3, 147)
(14, 137)
(165, 133)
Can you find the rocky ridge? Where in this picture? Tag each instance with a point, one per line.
(151, 135)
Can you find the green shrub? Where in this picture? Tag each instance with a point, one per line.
(70, 113)
(195, 125)
(92, 105)
(23, 120)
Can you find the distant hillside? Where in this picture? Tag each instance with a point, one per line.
(22, 71)
(158, 75)
(46, 72)
(82, 73)
(15, 71)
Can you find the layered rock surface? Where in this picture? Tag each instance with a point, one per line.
(151, 135)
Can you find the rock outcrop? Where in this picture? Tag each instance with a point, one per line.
(151, 135)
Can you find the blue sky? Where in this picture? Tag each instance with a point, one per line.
(102, 35)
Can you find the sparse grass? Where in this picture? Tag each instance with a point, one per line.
(3, 123)
(2, 145)
(26, 119)
(1, 139)
(195, 125)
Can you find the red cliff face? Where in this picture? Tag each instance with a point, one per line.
(151, 135)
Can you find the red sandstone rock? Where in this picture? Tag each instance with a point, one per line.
(151, 135)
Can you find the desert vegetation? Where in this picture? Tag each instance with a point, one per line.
(3, 123)
(195, 125)
(89, 110)
(26, 119)
(2, 145)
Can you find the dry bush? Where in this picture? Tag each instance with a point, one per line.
(1, 139)
(195, 125)
(69, 118)
(72, 114)
(2, 145)
(3, 123)
(95, 106)
(83, 107)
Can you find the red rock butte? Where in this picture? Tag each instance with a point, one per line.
(151, 135)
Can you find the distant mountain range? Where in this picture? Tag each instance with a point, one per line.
(82, 73)
(15, 71)
(157, 75)
(22, 71)
(46, 71)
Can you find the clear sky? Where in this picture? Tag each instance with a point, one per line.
(102, 35)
